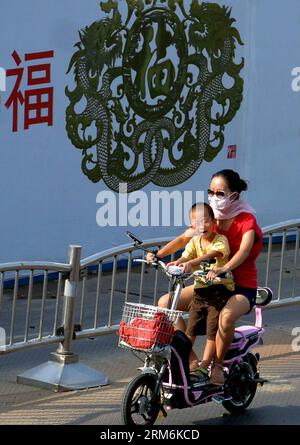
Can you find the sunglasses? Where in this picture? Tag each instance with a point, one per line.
(219, 194)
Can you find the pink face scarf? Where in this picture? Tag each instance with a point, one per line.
(233, 209)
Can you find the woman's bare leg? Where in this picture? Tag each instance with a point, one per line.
(236, 307)
(183, 304)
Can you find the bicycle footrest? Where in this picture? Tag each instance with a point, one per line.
(261, 381)
(220, 399)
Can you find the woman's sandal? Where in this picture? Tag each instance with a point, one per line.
(200, 374)
(217, 374)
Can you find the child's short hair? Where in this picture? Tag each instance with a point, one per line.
(206, 205)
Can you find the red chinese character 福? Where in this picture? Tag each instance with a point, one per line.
(38, 102)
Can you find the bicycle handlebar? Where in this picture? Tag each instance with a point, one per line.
(158, 262)
(184, 276)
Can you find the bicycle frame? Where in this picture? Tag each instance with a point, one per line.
(168, 365)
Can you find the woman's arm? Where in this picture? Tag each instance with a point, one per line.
(240, 256)
(172, 247)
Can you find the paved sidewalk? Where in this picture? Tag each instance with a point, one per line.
(276, 403)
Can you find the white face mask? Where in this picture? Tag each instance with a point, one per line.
(219, 203)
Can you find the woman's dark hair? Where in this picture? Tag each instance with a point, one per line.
(204, 204)
(235, 183)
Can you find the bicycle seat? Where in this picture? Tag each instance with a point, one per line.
(245, 331)
(244, 338)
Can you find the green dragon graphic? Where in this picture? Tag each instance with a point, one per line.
(149, 85)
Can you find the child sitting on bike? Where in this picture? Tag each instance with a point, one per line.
(207, 298)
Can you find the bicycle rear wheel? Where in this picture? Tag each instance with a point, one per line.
(241, 387)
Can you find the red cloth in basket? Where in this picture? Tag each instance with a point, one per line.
(143, 334)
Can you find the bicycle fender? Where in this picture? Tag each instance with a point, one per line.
(147, 370)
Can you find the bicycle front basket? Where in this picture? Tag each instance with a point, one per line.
(144, 327)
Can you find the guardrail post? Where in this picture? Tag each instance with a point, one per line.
(63, 372)
(70, 291)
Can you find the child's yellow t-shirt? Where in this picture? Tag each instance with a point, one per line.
(219, 244)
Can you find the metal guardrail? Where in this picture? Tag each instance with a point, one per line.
(90, 293)
(283, 230)
(119, 258)
(23, 338)
(276, 260)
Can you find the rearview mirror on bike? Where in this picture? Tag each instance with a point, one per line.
(137, 243)
(133, 237)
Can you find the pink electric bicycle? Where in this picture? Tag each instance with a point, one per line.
(165, 382)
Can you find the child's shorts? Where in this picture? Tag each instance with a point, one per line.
(207, 303)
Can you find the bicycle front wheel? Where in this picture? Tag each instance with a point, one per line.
(140, 404)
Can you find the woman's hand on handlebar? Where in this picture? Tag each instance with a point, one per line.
(214, 273)
(150, 257)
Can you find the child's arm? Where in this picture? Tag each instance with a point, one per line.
(197, 261)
